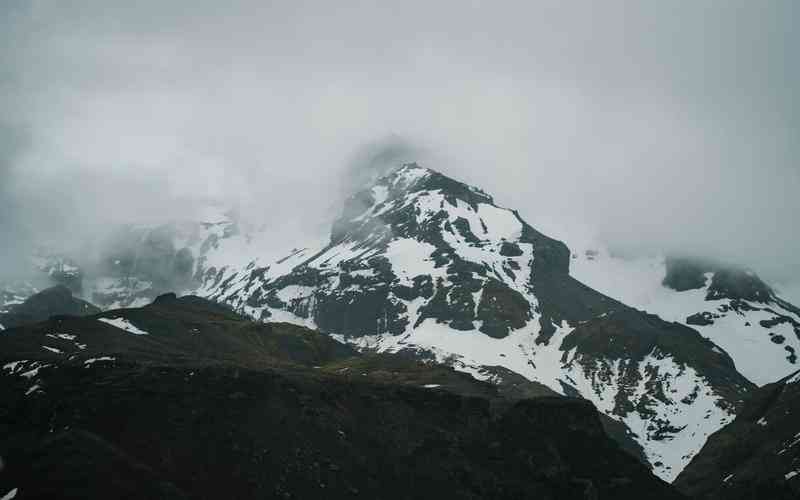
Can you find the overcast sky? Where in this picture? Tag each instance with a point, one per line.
(649, 125)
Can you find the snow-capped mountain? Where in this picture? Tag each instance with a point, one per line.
(732, 307)
(419, 262)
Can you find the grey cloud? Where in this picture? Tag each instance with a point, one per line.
(651, 125)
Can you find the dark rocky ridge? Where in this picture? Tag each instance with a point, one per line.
(57, 300)
(210, 405)
(755, 456)
(727, 282)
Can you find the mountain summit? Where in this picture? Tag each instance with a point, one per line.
(424, 264)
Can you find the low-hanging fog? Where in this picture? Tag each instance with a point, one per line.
(649, 126)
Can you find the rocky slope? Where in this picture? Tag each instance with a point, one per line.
(421, 263)
(42, 305)
(757, 455)
(186, 399)
(730, 306)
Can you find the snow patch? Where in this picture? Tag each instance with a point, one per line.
(10, 495)
(12, 367)
(92, 361)
(62, 336)
(294, 292)
(411, 258)
(500, 223)
(123, 324)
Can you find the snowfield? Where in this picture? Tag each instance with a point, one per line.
(123, 324)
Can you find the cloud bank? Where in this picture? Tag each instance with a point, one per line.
(649, 126)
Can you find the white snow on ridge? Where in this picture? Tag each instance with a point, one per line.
(335, 255)
(408, 175)
(469, 351)
(123, 324)
(411, 258)
(637, 282)
(294, 292)
(91, 361)
(500, 223)
(281, 316)
(793, 379)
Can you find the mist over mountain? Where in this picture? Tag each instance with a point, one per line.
(647, 128)
(305, 249)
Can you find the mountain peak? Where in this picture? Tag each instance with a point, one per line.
(423, 263)
(407, 200)
(411, 177)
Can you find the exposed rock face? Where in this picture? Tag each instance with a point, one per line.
(686, 273)
(228, 408)
(726, 282)
(419, 262)
(757, 455)
(53, 301)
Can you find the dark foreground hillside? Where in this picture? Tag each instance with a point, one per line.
(755, 456)
(184, 399)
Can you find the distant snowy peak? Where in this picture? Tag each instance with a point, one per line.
(732, 307)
